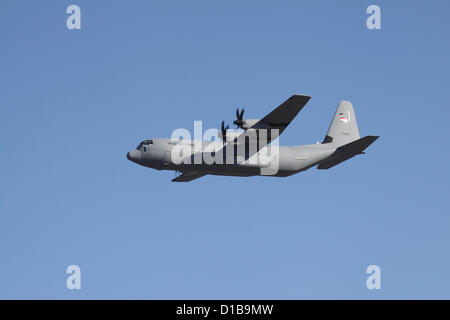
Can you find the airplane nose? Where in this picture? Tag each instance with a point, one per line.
(134, 155)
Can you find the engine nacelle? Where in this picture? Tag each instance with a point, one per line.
(230, 136)
(233, 134)
(248, 123)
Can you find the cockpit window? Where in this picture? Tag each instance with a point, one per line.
(144, 143)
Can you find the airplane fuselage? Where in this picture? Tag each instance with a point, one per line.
(255, 150)
(289, 159)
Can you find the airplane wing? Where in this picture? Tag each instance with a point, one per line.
(280, 117)
(189, 176)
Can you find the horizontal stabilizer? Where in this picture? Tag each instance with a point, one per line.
(358, 146)
(347, 151)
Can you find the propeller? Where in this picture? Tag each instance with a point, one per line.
(239, 116)
(224, 131)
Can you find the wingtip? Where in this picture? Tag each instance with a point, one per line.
(301, 95)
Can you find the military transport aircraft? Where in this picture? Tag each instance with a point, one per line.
(250, 150)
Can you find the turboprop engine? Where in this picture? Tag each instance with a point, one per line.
(229, 135)
(244, 123)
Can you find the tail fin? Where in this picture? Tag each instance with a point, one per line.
(343, 129)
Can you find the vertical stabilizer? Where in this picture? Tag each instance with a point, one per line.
(343, 128)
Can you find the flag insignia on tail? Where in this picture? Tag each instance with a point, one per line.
(342, 118)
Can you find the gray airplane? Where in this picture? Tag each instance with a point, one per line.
(222, 156)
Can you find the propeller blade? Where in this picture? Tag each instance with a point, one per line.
(224, 131)
(242, 114)
(239, 115)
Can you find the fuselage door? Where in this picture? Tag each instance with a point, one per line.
(167, 157)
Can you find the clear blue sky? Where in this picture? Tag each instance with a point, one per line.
(74, 102)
